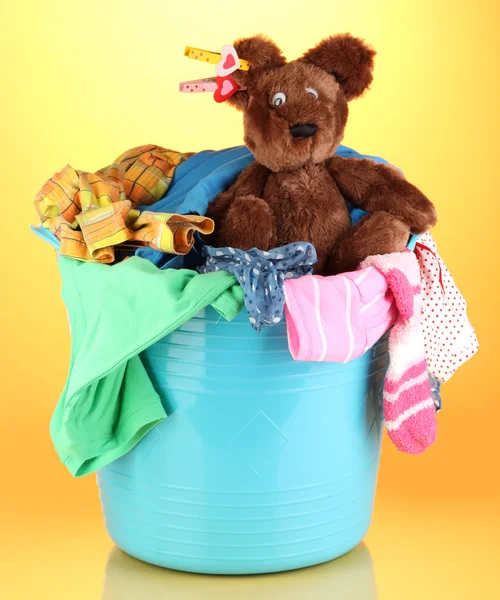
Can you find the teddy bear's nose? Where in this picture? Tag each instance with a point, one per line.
(304, 130)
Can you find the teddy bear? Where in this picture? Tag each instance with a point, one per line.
(297, 189)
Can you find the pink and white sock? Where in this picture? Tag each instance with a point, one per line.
(409, 412)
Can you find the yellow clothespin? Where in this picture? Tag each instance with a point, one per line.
(227, 60)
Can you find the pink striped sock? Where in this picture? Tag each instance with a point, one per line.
(409, 412)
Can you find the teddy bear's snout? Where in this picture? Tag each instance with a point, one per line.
(304, 130)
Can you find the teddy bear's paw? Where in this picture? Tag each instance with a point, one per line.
(423, 221)
(420, 213)
(249, 223)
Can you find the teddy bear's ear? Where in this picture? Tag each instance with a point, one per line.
(348, 59)
(261, 53)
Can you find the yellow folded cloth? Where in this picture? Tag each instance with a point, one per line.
(93, 212)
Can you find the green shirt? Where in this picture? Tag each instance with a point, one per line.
(109, 403)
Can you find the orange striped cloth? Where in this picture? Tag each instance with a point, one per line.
(93, 212)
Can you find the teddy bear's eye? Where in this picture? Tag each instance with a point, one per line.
(278, 99)
(313, 92)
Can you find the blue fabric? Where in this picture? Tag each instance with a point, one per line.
(198, 180)
(262, 276)
(435, 391)
(46, 235)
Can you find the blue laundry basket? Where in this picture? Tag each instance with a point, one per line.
(264, 463)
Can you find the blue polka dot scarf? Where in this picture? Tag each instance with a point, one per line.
(262, 275)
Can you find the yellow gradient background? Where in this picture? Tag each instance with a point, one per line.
(82, 81)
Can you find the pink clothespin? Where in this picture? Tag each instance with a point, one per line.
(198, 85)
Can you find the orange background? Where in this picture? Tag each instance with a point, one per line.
(81, 82)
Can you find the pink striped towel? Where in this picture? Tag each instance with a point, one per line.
(336, 319)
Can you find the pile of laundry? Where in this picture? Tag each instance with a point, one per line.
(130, 251)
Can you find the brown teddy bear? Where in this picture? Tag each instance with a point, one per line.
(295, 114)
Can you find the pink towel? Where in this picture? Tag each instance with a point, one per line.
(409, 412)
(337, 318)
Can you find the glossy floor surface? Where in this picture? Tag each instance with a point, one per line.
(425, 553)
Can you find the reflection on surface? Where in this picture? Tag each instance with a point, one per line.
(350, 577)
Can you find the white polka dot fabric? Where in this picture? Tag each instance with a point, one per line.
(449, 338)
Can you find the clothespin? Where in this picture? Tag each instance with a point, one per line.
(226, 62)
